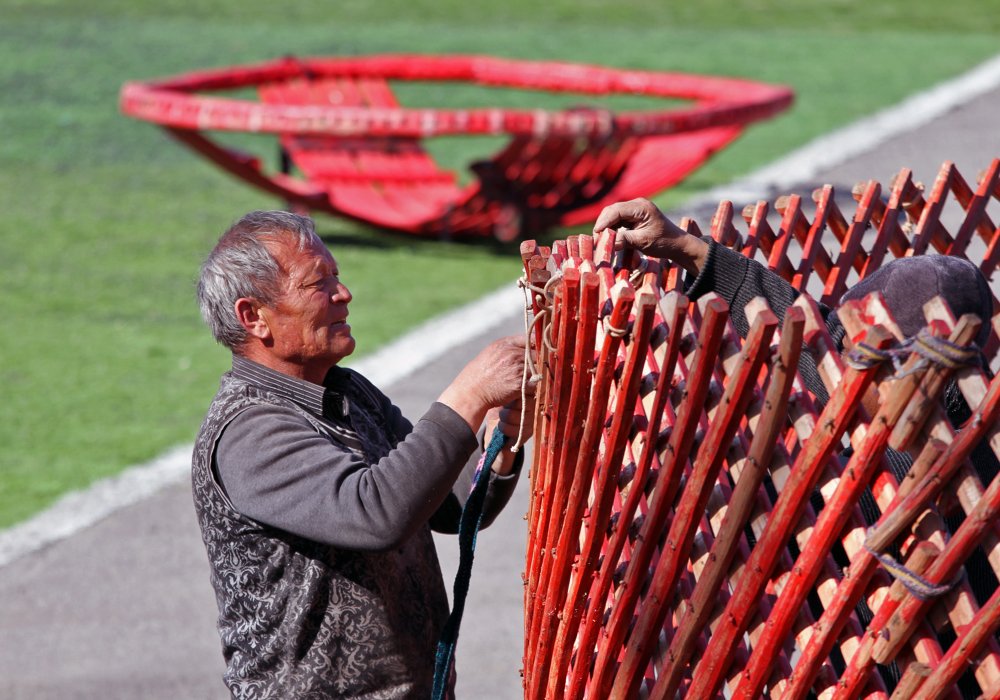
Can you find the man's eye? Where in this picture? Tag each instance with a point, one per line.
(324, 282)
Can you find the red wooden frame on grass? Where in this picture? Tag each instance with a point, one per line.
(361, 155)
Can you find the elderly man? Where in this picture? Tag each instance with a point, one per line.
(315, 496)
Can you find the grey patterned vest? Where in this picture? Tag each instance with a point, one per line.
(299, 619)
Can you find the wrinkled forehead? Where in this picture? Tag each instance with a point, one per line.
(298, 261)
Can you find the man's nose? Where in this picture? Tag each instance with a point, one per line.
(342, 295)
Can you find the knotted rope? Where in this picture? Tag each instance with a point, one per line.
(931, 349)
(612, 330)
(917, 585)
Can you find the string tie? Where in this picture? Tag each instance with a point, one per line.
(612, 330)
(542, 296)
(917, 585)
(931, 349)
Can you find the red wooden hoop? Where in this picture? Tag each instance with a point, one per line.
(360, 153)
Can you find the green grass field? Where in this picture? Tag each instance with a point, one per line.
(104, 362)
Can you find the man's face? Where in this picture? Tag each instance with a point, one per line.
(308, 320)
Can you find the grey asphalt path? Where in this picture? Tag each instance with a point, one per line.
(124, 610)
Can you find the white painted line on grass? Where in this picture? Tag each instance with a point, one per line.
(429, 341)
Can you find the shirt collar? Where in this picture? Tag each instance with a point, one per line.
(327, 399)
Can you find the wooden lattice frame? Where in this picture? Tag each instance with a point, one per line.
(657, 588)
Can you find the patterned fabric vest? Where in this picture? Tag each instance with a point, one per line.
(299, 619)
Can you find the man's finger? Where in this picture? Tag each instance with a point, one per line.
(613, 216)
(605, 222)
(629, 213)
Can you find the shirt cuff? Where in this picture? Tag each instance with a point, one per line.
(701, 284)
(723, 273)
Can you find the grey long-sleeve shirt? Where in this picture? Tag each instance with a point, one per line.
(738, 279)
(277, 469)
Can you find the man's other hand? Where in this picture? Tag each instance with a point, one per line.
(642, 226)
(493, 378)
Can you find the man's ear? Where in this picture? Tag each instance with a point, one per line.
(248, 313)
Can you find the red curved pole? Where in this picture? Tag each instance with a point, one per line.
(174, 102)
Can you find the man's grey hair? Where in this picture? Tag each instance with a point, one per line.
(241, 265)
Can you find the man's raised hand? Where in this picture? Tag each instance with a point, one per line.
(642, 226)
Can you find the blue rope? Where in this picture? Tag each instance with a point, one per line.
(468, 527)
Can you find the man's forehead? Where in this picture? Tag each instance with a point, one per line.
(312, 256)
